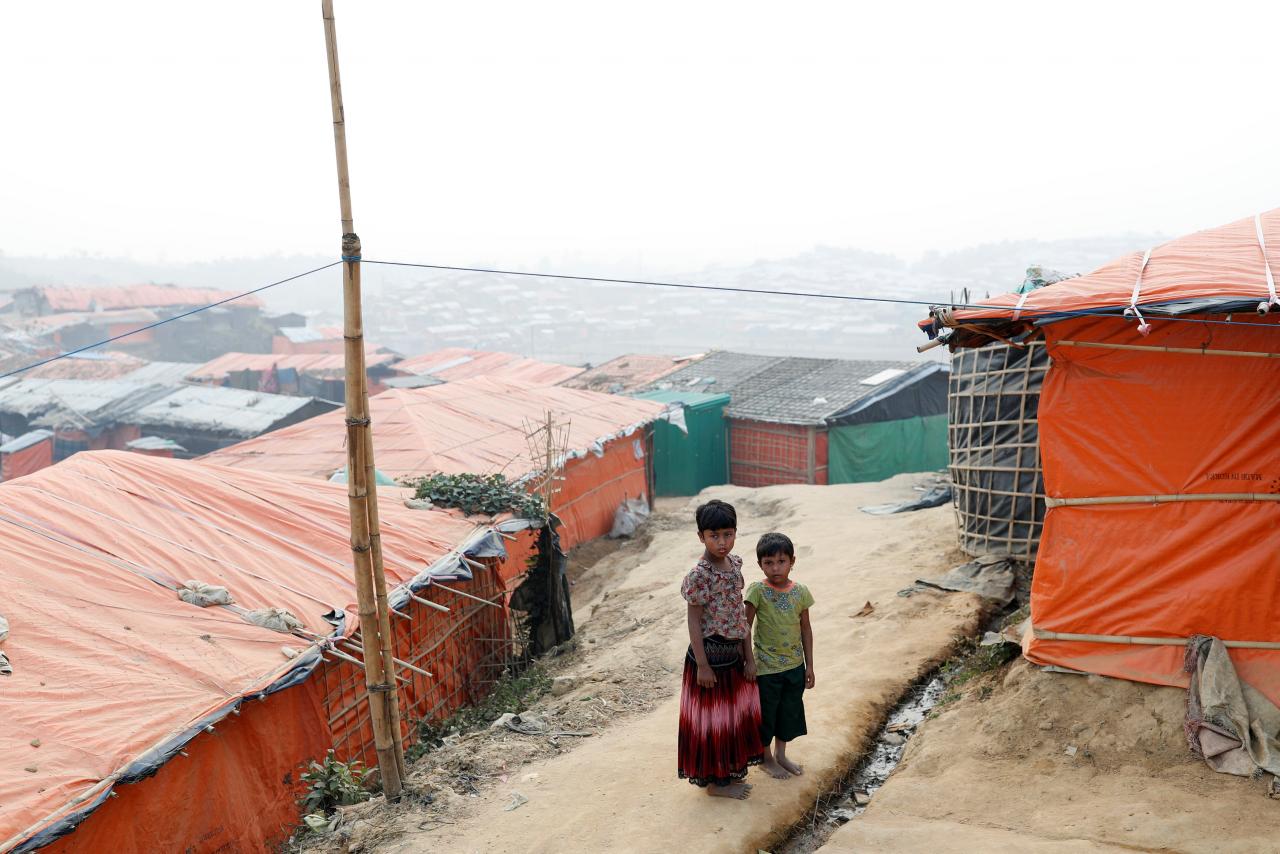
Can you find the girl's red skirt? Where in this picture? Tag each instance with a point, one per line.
(720, 725)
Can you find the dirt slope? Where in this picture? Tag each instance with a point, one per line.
(617, 790)
(995, 774)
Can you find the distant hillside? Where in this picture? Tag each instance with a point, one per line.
(414, 310)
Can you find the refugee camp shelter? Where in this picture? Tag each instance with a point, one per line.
(690, 452)
(628, 373)
(458, 363)
(319, 375)
(1161, 453)
(25, 454)
(482, 426)
(109, 414)
(135, 720)
(800, 420)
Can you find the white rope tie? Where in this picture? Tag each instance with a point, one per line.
(1144, 328)
(1264, 307)
(1017, 309)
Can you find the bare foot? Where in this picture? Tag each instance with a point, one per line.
(790, 766)
(773, 769)
(733, 790)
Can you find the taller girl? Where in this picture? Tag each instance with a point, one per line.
(719, 703)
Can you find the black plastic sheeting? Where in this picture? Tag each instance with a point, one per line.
(918, 393)
(935, 497)
(994, 445)
(544, 595)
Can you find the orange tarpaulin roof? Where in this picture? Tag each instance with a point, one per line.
(137, 296)
(108, 663)
(475, 425)
(1218, 263)
(315, 364)
(457, 363)
(1161, 454)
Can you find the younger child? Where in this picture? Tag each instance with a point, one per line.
(719, 706)
(779, 609)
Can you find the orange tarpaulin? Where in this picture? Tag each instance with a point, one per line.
(1161, 457)
(479, 425)
(458, 363)
(113, 673)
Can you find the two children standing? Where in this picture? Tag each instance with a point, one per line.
(741, 701)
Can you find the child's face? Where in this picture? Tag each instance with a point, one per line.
(777, 568)
(718, 542)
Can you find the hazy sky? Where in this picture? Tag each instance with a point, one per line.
(659, 134)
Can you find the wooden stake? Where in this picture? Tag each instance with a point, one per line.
(379, 671)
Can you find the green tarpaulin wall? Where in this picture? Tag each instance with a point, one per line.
(866, 452)
(687, 464)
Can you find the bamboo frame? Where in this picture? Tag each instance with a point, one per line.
(1181, 498)
(1133, 640)
(994, 448)
(366, 549)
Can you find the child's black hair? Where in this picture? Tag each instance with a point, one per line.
(716, 515)
(775, 544)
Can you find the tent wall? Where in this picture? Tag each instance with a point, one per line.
(685, 463)
(465, 650)
(234, 790)
(765, 454)
(595, 487)
(995, 448)
(870, 452)
(28, 460)
(1126, 423)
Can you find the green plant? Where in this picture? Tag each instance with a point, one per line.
(514, 693)
(332, 784)
(489, 494)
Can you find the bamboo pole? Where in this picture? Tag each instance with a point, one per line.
(1190, 351)
(1129, 640)
(380, 680)
(1180, 498)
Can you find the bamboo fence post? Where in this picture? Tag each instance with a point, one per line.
(379, 678)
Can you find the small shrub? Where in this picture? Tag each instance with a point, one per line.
(332, 784)
(489, 494)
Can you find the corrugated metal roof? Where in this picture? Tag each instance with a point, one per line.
(79, 403)
(807, 391)
(162, 372)
(718, 372)
(152, 443)
(87, 366)
(221, 410)
(780, 389)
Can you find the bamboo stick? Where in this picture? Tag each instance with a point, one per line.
(342, 656)
(429, 603)
(400, 662)
(1128, 640)
(379, 679)
(1161, 499)
(457, 592)
(1191, 351)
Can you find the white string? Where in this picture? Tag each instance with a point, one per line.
(1144, 328)
(1264, 307)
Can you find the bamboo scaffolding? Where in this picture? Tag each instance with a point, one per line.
(380, 677)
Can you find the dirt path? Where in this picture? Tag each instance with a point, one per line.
(617, 790)
(1040, 762)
